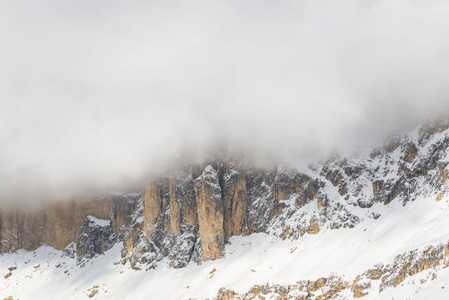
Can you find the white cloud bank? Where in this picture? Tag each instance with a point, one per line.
(102, 92)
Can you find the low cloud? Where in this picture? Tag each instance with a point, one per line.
(103, 93)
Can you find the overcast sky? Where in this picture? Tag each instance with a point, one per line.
(103, 92)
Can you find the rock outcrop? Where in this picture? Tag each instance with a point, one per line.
(95, 237)
(405, 265)
(60, 224)
(210, 214)
(189, 215)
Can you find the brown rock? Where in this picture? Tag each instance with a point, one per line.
(410, 153)
(183, 209)
(235, 202)
(64, 219)
(313, 228)
(155, 200)
(56, 224)
(210, 214)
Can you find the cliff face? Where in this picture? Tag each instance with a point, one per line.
(185, 217)
(61, 224)
(189, 215)
(209, 201)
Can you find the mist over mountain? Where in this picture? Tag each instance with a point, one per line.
(101, 94)
(230, 149)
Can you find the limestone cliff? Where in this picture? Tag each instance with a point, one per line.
(61, 223)
(190, 214)
(210, 214)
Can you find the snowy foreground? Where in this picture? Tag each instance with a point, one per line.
(256, 259)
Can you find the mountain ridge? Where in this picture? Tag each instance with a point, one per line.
(192, 215)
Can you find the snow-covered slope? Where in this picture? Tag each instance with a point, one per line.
(255, 259)
(374, 225)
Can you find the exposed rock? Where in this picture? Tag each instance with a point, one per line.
(70, 250)
(225, 294)
(155, 201)
(95, 238)
(58, 224)
(91, 292)
(411, 263)
(322, 288)
(210, 214)
(336, 287)
(359, 288)
(188, 215)
(410, 153)
(235, 199)
(175, 209)
(313, 228)
(20, 229)
(124, 205)
(173, 232)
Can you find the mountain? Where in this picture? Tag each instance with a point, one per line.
(370, 225)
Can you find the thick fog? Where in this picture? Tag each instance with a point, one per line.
(103, 93)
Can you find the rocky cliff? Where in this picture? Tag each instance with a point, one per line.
(189, 215)
(62, 223)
